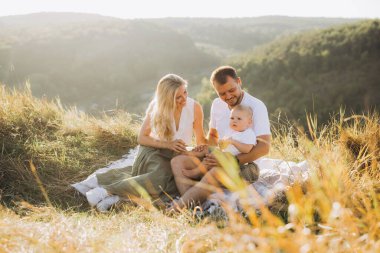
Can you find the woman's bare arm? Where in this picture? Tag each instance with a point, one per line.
(198, 124)
(145, 139)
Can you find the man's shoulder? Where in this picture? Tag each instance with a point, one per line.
(217, 101)
(218, 104)
(253, 101)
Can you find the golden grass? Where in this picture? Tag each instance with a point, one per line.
(64, 145)
(337, 210)
(50, 230)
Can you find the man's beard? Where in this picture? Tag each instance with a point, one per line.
(235, 100)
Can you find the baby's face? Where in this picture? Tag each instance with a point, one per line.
(240, 120)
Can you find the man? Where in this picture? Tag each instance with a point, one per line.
(228, 86)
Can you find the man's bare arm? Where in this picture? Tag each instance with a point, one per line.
(260, 149)
(242, 147)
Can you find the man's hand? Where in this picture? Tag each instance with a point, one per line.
(260, 149)
(210, 161)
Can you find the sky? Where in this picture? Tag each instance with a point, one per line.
(198, 8)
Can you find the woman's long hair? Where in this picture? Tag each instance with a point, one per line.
(161, 109)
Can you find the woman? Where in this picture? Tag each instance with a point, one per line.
(168, 127)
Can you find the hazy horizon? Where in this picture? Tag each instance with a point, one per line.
(211, 17)
(198, 8)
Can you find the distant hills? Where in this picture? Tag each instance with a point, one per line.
(231, 36)
(100, 63)
(96, 62)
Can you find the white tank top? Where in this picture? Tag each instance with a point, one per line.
(186, 122)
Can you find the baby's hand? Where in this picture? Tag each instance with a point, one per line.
(229, 140)
(223, 143)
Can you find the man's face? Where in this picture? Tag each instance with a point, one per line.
(230, 92)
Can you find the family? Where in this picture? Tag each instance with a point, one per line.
(167, 166)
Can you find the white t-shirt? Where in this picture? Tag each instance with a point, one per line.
(246, 137)
(220, 115)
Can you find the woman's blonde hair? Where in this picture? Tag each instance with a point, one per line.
(161, 109)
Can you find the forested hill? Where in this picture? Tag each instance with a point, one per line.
(229, 36)
(317, 71)
(94, 61)
(97, 62)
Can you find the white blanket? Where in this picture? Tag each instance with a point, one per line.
(275, 175)
(91, 181)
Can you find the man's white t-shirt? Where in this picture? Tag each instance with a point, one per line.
(246, 137)
(220, 115)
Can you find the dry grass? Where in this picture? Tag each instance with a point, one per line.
(65, 145)
(337, 210)
(51, 230)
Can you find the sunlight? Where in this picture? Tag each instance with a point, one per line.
(199, 8)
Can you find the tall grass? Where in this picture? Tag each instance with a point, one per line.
(64, 145)
(336, 210)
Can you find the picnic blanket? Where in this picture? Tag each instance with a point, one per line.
(276, 176)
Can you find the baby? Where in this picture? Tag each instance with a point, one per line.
(240, 138)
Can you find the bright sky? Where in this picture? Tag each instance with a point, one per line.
(198, 8)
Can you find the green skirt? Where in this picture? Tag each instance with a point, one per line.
(150, 173)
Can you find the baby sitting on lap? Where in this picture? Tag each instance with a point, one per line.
(239, 139)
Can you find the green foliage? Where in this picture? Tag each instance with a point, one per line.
(101, 63)
(318, 71)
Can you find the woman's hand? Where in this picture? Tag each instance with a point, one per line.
(177, 146)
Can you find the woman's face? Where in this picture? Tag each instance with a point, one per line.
(181, 96)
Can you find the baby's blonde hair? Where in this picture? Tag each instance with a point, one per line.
(244, 108)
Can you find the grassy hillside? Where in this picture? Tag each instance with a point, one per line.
(64, 145)
(317, 71)
(335, 211)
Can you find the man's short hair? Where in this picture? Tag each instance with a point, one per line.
(221, 74)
